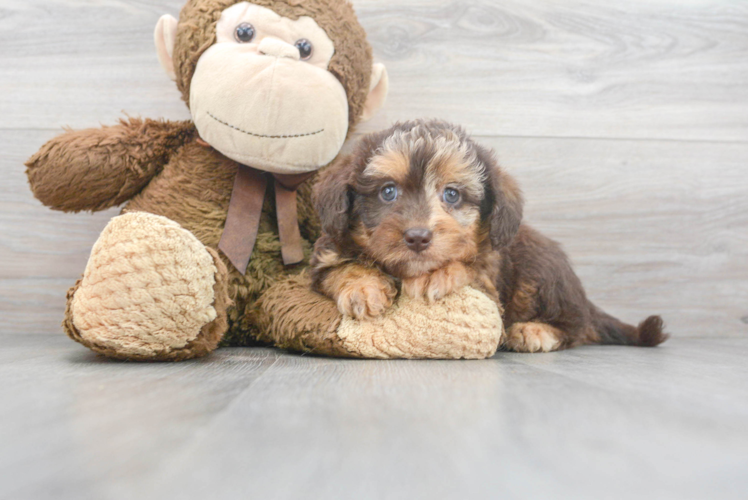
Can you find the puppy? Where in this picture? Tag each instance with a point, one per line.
(421, 208)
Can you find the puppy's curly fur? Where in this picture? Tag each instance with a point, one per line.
(422, 208)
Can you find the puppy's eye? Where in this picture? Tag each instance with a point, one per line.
(388, 193)
(244, 33)
(451, 196)
(305, 48)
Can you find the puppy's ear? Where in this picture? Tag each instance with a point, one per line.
(332, 197)
(504, 197)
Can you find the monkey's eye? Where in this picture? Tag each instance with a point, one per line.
(244, 33)
(388, 193)
(305, 48)
(451, 196)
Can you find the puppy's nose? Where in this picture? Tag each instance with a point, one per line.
(418, 239)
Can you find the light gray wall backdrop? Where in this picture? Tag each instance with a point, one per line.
(626, 124)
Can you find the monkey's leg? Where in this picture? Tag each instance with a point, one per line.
(151, 292)
(464, 325)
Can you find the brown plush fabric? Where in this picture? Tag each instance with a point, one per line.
(212, 333)
(293, 317)
(96, 169)
(67, 321)
(351, 63)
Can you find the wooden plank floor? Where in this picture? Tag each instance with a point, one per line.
(599, 422)
(627, 127)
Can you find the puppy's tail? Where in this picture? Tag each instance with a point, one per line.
(649, 333)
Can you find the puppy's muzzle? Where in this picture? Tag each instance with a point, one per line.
(418, 239)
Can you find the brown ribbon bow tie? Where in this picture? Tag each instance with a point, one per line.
(245, 209)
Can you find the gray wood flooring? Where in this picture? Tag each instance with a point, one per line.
(626, 124)
(597, 423)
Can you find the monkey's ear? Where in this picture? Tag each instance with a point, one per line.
(506, 205)
(332, 198)
(165, 36)
(380, 86)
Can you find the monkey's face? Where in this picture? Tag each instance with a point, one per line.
(273, 84)
(263, 96)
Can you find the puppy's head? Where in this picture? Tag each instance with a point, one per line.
(416, 197)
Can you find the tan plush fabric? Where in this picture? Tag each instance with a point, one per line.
(148, 289)
(465, 325)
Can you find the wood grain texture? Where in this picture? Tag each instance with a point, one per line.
(33, 306)
(599, 422)
(642, 69)
(645, 69)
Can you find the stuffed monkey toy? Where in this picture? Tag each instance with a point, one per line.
(217, 224)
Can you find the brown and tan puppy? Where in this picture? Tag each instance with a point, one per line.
(422, 209)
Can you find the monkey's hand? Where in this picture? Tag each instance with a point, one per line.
(96, 169)
(440, 283)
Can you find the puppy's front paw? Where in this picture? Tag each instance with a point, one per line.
(367, 297)
(438, 284)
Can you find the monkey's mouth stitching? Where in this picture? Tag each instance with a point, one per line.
(264, 136)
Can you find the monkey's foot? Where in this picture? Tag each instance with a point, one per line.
(151, 292)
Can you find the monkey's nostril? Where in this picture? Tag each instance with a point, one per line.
(418, 239)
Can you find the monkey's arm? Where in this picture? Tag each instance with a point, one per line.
(96, 169)
(360, 291)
